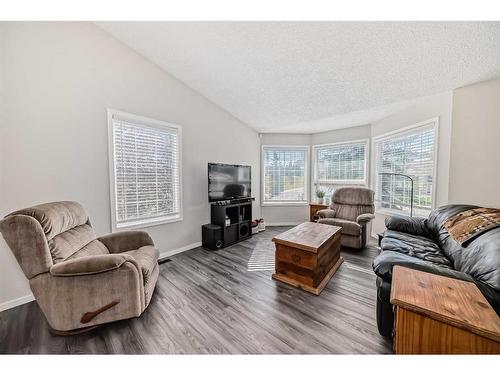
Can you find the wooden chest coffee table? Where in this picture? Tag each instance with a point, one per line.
(308, 255)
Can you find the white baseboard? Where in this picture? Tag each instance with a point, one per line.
(29, 297)
(16, 302)
(169, 253)
(283, 224)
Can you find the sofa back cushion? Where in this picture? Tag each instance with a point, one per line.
(479, 259)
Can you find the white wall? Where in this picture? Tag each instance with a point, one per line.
(2, 101)
(433, 106)
(342, 135)
(475, 155)
(13, 284)
(59, 79)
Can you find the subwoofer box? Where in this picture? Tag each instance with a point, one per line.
(211, 236)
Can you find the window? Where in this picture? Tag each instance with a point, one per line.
(144, 170)
(411, 152)
(340, 164)
(284, 170)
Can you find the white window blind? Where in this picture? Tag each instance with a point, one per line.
(284, 174)
(146, 171)
(410, 153)
(339, 165)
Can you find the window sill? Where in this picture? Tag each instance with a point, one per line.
(341, 183)
(146, 223)
(387, 212)
(284, 204)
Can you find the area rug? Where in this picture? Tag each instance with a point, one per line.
(262, 258)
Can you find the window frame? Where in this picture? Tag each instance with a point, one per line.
(147, 122)
(315, 148)
(394, 134)
(305, 202)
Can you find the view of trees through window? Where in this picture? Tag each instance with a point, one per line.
(340, 165)
(146, 171)
(284, 174)
(409, 154)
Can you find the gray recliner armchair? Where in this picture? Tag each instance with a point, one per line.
(352, 209)
(80, 281)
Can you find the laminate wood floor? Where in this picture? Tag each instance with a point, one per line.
(208, 302)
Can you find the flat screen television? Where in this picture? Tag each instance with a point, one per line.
(228, 181)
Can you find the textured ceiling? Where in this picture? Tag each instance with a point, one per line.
(307, 77)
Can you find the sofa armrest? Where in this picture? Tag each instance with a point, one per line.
(383, 263)
(364, 218)
(411, 225)
(326, 213)
(90, 265)
(126, 241)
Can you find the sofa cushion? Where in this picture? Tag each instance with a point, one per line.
(384, 262)
(436, 220)
(411, 225)
(415, 246)
(350, 228)
(480, 259)
(147, 258)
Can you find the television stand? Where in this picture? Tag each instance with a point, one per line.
(239, 212)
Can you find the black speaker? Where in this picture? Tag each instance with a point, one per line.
(245, 229)
(211, 236)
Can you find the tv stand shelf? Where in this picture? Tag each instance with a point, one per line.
(240, 216)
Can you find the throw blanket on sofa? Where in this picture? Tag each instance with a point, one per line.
(467, 225)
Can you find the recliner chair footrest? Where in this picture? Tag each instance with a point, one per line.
(73, 331)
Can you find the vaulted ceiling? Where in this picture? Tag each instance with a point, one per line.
(307, 77)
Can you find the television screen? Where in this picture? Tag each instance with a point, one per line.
(227, 181)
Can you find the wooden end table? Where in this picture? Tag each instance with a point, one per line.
(313, 209)
(440, 315)
(308, 255)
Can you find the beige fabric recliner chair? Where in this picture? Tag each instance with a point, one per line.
(78, 280)
(352, 209)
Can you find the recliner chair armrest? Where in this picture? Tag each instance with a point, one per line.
(364, 218)
(126, 241)
(90, 265)
(326, 213)
(383, 263)
(76, 300)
